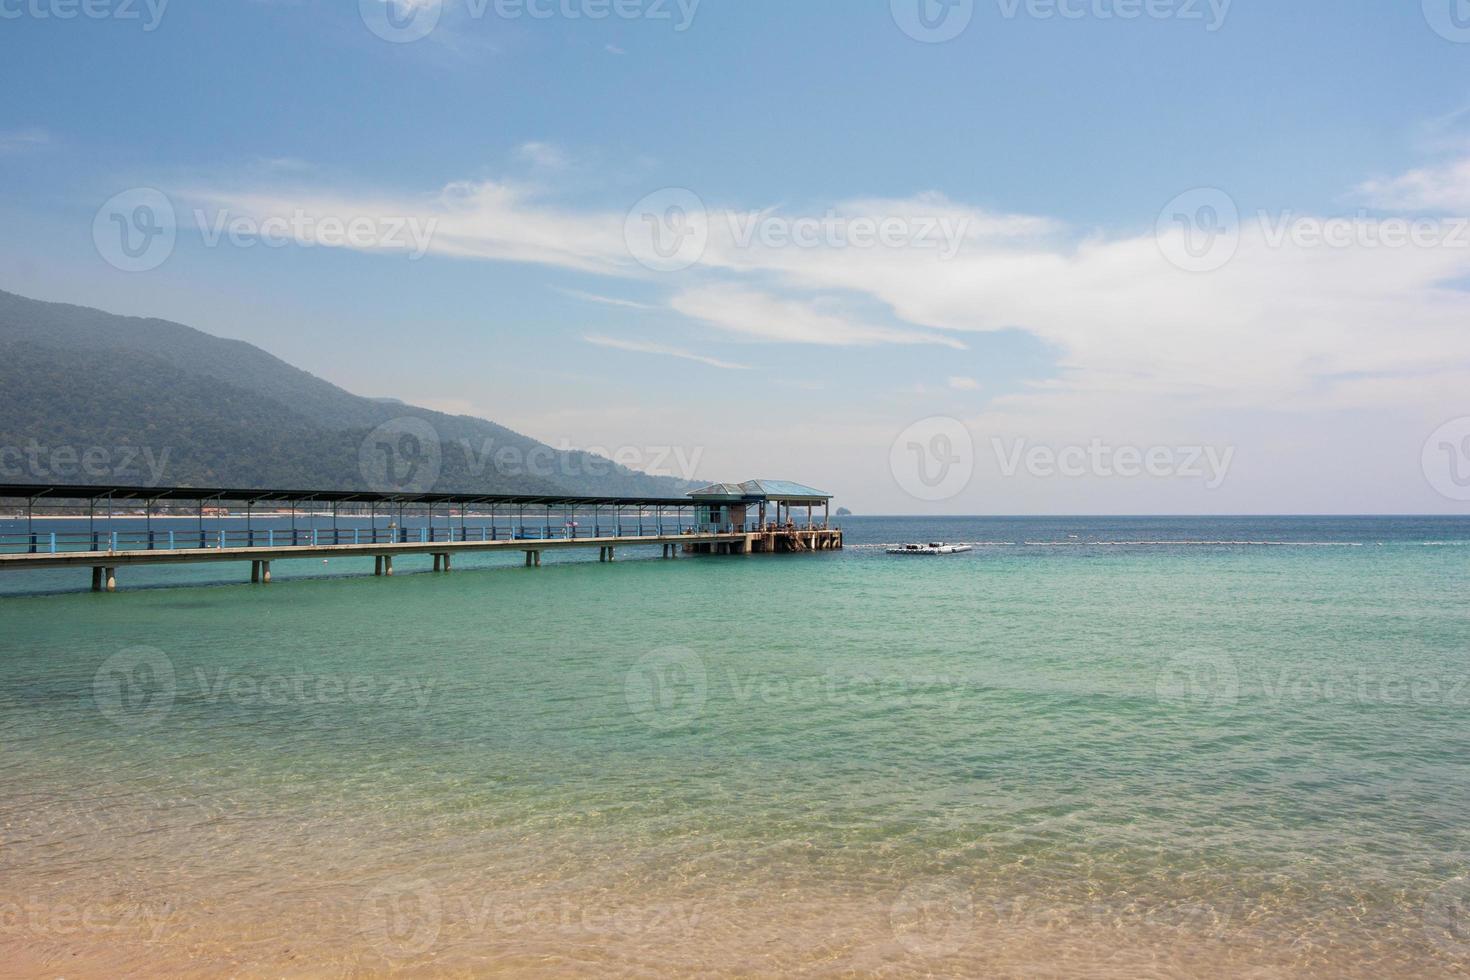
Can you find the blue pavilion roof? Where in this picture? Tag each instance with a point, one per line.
(755, 490)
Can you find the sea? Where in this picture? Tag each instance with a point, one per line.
(1090, 747)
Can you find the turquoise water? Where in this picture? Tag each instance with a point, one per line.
(1111, 750)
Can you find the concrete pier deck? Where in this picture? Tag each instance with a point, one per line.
(104, 564)
(486, 525)
(179, 556)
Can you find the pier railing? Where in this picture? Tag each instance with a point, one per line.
(203, 539)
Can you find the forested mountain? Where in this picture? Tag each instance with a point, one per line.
(159, 403)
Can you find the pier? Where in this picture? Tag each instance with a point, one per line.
(108, 528)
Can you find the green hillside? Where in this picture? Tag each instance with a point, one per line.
(159, 403)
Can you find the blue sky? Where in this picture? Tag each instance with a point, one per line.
(1029, 293)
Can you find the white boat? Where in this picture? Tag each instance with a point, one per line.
(932, 548)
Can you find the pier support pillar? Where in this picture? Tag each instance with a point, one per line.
(255, 573)
(448, 563)
(378, 566)
(96, 578)
(111, 575)
(533, 559)
(438, 563)
(612, 554)
(265, 572)
(388, 565)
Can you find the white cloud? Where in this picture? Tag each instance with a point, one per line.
(487, 220)
(1273, 346)
(645, 347)
(964, 384)
(760, 316)
(1445, 188)
(17, 141)
(607, 300)
(543, 155)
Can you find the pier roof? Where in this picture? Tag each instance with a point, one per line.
(754, 491)
(27, 491)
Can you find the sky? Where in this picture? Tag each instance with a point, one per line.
(932, 256)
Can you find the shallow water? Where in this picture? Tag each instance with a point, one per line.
(1089, 747)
